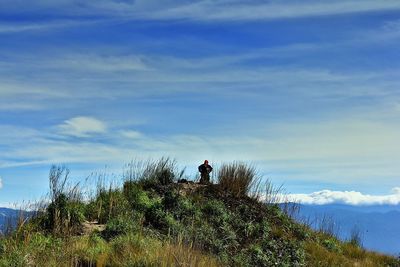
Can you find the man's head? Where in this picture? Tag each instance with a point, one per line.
(206, 162)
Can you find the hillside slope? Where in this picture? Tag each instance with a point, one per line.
(155, 221)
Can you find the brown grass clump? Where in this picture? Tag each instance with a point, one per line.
(238, 178)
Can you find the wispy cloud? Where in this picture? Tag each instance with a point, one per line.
(47, 25)
(82, 127)
(347, 197)
(308, 99)
(326, 150)
(203, 10)
(102, 63)
(254, 10)
(131, 134)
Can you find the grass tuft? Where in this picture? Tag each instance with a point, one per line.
(238, 178)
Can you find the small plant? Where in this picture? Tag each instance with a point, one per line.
(121, 225)
(331, 244)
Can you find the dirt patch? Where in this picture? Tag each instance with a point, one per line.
(89, 227)
(188, 188)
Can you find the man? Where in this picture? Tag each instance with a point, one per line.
(205, 170)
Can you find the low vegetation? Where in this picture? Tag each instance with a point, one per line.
(151, 219)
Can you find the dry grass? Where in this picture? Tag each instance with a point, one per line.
(238, 178)
(129, 250)
(351, 255)
(161, 171)
(132, 250)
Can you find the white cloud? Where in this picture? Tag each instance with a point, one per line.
(347, 197)
(82, 127)
(131, 134)
(1, 182)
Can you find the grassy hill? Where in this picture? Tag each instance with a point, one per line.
(154, 220)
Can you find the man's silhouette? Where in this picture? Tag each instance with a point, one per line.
(205, 170)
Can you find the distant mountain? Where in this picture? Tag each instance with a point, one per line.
(378, 224)
(9, 217)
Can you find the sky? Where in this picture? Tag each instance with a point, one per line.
(307, 91)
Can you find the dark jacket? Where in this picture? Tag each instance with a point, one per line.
(203, 169)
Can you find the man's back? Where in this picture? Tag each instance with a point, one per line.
(205, 170)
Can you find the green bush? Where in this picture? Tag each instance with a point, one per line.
(64, 216)
(107, 204)
(215, 211)
(121, 225)
(331, 244)
(259, 257)
(137, 198)
(182, 208)
(160, 219)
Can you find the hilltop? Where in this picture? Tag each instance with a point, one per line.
(158, 218)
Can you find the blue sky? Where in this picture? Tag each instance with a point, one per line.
(306, 90)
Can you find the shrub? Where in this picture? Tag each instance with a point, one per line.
(171, 200)
(137, 198)
(121, 225)
(180, 206)
(258, 256)
(238, 178)
(215, 211)
(258, 230)
(108, 204)
(160, 219)
(64, 216)
(331, 244)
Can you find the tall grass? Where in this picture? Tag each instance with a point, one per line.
(328, 226)
(238, 178)
(64, 214)
(356, 236)
(153, 172)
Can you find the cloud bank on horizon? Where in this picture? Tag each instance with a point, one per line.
(325, 197)
(306, 90)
